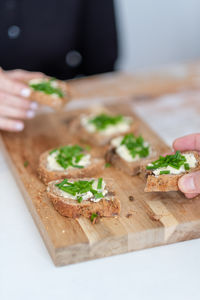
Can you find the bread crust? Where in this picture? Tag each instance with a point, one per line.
(95, 138)
(71, 208)
(96, 166)
(130, 168)
(166, 182)
(54, 102)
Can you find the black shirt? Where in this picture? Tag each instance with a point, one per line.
(62, 38)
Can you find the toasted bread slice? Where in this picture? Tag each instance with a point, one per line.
(52, 101)
(73, 209)
(166, 182)
(95, 138)
(130, 168)
(96, 165)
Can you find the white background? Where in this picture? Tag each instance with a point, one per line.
(157, 32)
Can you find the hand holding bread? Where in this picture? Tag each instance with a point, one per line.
(20, 93)
(177, 171)
(189, 184)
(15, 105)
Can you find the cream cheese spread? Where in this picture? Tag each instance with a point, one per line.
(88, 195)
(120, 127)
(52, 164)
(190, 160)
(122, 150)
(53, 83)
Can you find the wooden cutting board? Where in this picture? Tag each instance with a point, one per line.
(151, 219)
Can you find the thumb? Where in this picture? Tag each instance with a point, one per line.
(190, 183)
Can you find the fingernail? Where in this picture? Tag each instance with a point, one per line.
(19, 126)
(186, 184)
(25, 92)
(34, 105)
(30, 114)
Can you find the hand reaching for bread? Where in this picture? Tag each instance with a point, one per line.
(189, 184)
(14, 105)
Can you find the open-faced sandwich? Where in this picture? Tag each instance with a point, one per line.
(50, 92)
(127, 152)
(84, 197)
(100, 127)
(70, 161)
(163, 174)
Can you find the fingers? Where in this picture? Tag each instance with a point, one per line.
(190, 184)
(11, 100)
(11, 125)
(23, 75)
(14, 112)
(13, 87)
(190, 196)
(188, 142)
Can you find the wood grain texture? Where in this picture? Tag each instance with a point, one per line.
(138, 85)
(151, 219)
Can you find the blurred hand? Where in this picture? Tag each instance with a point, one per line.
(14, 107)
(189, 184)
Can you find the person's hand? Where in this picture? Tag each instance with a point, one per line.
(189, 184)
(14, 107)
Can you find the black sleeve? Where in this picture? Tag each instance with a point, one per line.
(98, 37)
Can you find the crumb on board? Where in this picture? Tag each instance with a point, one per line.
(154, 217)
(131, 198)
(129, 215)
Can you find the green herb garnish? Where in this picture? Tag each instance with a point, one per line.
(47, 88)
(186, 166)
(79, 199)
(164, 172)
(175, 161)
(102, 121)
(80, 187)
(69, 156)
(26, 163)
(87, 147)
(107, 165)
(93, 216)
(99, 185)
(52, 151)
(135, 145)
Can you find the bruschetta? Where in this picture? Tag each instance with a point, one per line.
(84, 197)
(162, 175)
(127, 152)
(49, 92)
(69, 161)
(98, 128)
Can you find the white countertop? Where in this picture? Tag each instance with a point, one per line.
(27, 271)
